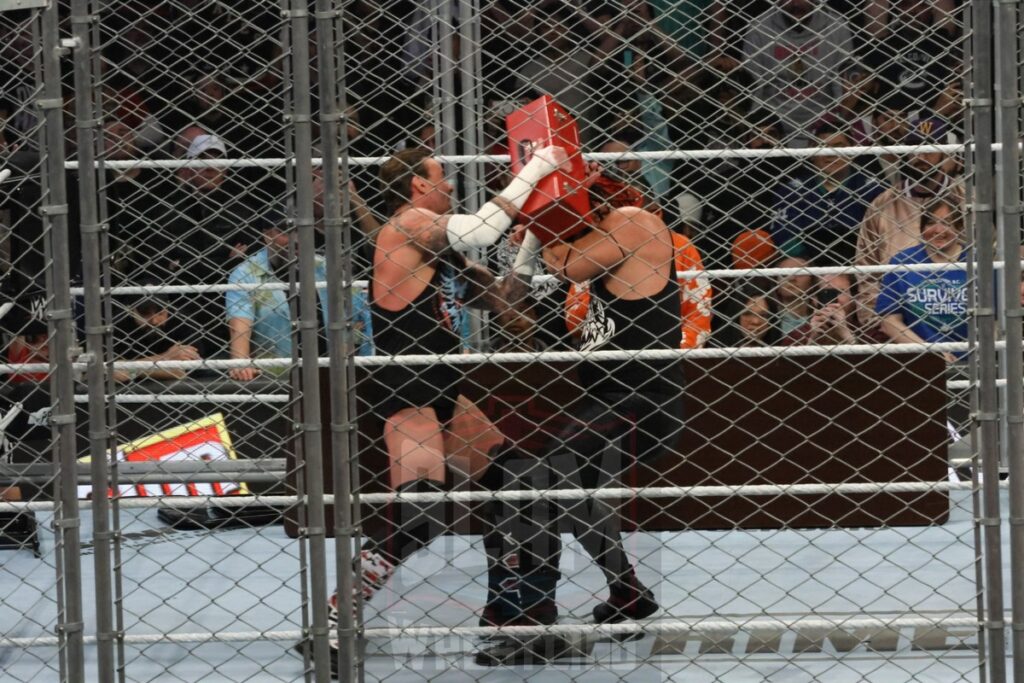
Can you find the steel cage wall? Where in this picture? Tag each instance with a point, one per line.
(322, 423)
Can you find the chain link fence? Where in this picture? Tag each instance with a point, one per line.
(288, 396)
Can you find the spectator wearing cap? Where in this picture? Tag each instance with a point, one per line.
(817, 215)
(196, 210)
(196, 230)
(149, 330)
(200, 144)
(753, 249)
(892, 124)
(860, 93)
(911, 47)
(892, 223)
(794, 51)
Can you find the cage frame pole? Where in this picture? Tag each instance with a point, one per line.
(310, 427)
(54, 209)
(972, 364)
(1007, 25)
(985, 314)
(87, 120)
(337, 205)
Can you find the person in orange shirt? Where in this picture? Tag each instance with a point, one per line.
(695, 290)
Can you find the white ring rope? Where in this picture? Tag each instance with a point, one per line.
(530, 357)
(531, 494)
(861, 625)
(831, 270)
(654, 155)
(760, 624)
(133, 290)
(284, 397)
(192, 398)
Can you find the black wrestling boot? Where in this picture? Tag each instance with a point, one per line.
(627, 601)
(526, 651)
(625, 606)
(518, 601)
(522, 600)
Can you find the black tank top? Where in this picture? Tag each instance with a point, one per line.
(612, 323)
(431, 323)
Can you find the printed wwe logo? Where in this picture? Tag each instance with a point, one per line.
(597, 328)
(37, 308)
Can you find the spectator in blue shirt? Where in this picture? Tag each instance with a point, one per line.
(817, 216)
(259, 319)
(928, 307)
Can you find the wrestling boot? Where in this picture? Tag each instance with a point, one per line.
(628, 600)
(509, 604)
(515, 600)
(376, 571)
(519, 592)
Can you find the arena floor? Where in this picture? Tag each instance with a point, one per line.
(237, 580)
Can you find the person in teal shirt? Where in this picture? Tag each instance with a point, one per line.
(259, 319)
(684, 22)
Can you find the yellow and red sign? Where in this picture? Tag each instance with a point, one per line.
(205, 440)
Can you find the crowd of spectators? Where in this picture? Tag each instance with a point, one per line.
(207, 81)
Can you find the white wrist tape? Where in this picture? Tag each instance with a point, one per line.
(518, 191)
(480, 229)
(486, 226)
(526, 258)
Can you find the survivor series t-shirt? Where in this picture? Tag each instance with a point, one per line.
(932, 303)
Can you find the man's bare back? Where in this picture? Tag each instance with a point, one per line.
(630, 248)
